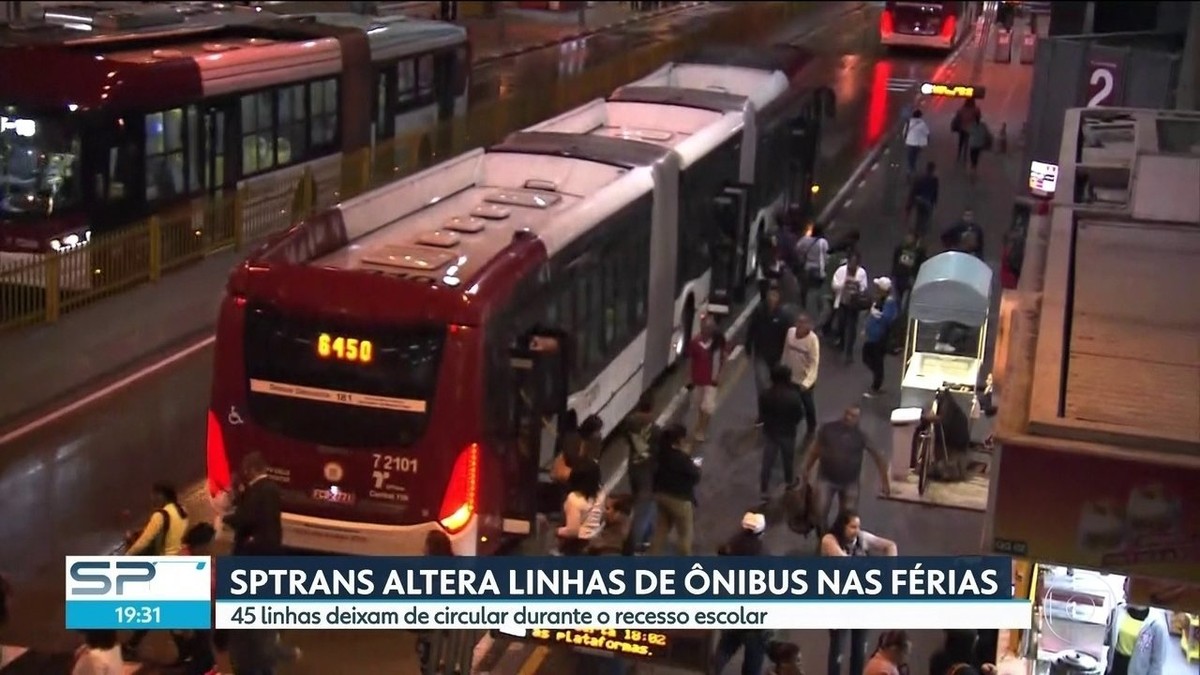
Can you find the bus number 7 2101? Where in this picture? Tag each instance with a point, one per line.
(394, 463)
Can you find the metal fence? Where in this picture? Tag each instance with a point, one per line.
(43, 289)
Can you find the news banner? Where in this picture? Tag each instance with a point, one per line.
(517, 594)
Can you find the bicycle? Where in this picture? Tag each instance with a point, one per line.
(930, 439)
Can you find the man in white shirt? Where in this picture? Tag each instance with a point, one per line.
(802, 355)
(916, 138)
(850, 297)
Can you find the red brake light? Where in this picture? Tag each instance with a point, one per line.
(462, 492)
(218, 462)
(887, 24)
(948, 26)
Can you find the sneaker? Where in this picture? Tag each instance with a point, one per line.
(873, 393)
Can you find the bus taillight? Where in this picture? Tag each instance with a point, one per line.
(948, 26)
(887, 24)
(459, 502)
(218, 461)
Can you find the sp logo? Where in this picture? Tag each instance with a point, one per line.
(108, 578)
(334, 472)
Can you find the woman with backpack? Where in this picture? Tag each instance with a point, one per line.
(963, 123)
(162, 535)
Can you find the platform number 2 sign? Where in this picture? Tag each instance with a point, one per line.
(1102, 85)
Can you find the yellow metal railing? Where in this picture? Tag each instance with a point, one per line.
(43, 289)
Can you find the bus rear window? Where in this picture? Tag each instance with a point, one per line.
(340, 384)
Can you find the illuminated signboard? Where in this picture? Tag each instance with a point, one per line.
(687, 649)
(1043, 178)
(341, 348)
(22, 127)
(951, 90)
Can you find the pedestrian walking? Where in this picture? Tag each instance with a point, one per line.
(751, 642)
(257, 516)
(850, 298)
(766, 336)
(706, 353)
(675, 480)
(880, 317)
(584, 485)
(916, 139)
(812, 255)
(780, 410)
(639, 429)
(962, 124)
(802, 357)
(965, 235)
(837, 453)
(980, 140)
(907, 258)
(162, 535)
(847, 539)
(923, 198)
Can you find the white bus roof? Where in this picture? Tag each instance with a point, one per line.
(445, 223)
(690, 132)
(760, 86)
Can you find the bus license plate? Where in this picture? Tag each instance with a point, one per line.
(337, 497)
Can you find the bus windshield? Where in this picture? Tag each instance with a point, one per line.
(920, 18)
(341, 386)
(39, 165)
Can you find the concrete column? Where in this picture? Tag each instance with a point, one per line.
(1188, 95)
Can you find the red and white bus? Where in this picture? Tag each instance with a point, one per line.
(781, 129)
(927, 25)
(397, 358)
(107, 116)
(376, 353)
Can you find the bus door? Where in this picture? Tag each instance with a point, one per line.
(539, 365)
(732, 207)
(216, 143)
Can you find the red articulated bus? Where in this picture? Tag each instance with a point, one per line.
(107, 116)
(928, 25)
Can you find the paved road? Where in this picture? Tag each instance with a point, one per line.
(69, 482)
(97, 344)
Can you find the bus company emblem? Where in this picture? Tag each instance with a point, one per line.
(334, 472)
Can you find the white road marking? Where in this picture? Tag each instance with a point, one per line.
(55, 415)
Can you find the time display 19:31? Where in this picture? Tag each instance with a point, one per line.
(341, 348)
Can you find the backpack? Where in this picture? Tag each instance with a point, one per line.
(800, 505)
(160, 541)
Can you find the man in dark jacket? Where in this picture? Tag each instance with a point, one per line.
(257, 514)
(923, 197)
(780, 410)
(966, 235)
(675, 480)
(765, 337)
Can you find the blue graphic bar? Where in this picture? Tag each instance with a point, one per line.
(135, 615)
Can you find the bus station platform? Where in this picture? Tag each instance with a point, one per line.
(949, 519)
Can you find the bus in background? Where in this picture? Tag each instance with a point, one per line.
(396, 358)
(108, 116)
(781, 133)
(928, 25)
(705, 129)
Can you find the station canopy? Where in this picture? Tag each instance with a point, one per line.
(952, 286)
